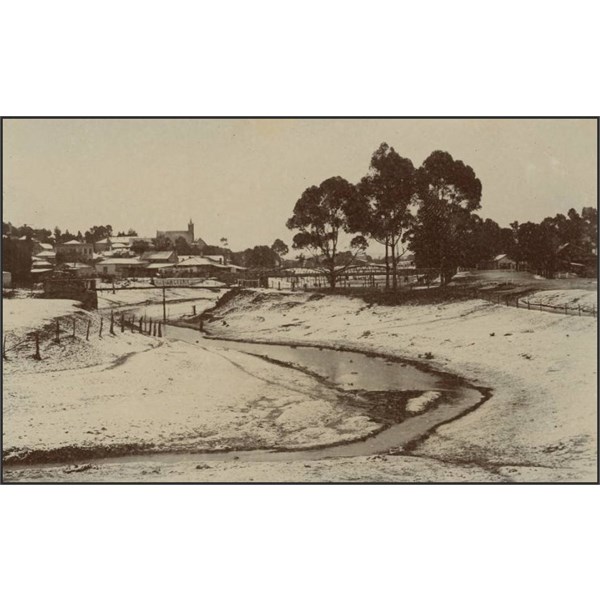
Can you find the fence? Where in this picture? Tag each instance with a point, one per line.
(521, 302)
(64, 330)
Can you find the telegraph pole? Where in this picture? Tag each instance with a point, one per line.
(164, 305)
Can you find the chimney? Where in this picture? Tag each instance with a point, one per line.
(191, 229)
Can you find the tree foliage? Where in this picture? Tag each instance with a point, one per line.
(259, 257)
(162, 243)
(280, 247)
(97, 233)
(448, 192)
(181, 246)
(387, 192)
(321, 214)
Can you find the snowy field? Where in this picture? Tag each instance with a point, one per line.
(126, 297)
(586, 299)
(24, 315)
(134, 393)
(541, 367)
(148, 303)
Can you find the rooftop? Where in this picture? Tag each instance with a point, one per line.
(122, 261)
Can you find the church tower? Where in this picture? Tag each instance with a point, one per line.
(191, 230)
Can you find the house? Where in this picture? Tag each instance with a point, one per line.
(41, 247)
(119, 242)
(38, 263)
(163, 256)
(502, 262)
(74, 251)
(80, 269)
(121, 267)
(574, 259)
(161, 269)
(218, 258)
(46, 255)
(39, 272)
(200, 266)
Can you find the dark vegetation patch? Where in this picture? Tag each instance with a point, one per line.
(387, 407)
(434, 295)
(72, 453)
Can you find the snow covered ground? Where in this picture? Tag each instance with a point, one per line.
(586, 299)
(134, 393)
(131, 392)
(148, 303)
(125, 297)
(541, 367)
(24, 315)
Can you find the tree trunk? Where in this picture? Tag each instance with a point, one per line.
(394, 273)
(387, 266)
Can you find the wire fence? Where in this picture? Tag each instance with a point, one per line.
(69, 329)
(525, 302)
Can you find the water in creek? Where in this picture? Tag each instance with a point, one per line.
(380, 386)
(370, 376)
(349, 371)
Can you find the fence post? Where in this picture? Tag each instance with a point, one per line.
(87, 333)
(57, 338)
(201, 324)
(37, 346)
(141, 325)
(132, 324)
(112, 323)
(122, 323)
(194, 310)
(506, 300)
(160, 330)
(101, 323)
(579, 307)
(73, 336)
(4, 349)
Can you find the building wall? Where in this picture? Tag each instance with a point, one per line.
(188, 235)
(68, 252)
(173, 235)
(506, 264)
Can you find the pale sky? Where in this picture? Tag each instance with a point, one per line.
(240, 178)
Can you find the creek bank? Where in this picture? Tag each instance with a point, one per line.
(542, 367)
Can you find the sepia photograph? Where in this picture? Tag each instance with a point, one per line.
(299, 300)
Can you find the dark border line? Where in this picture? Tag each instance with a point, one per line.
(314, 118)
